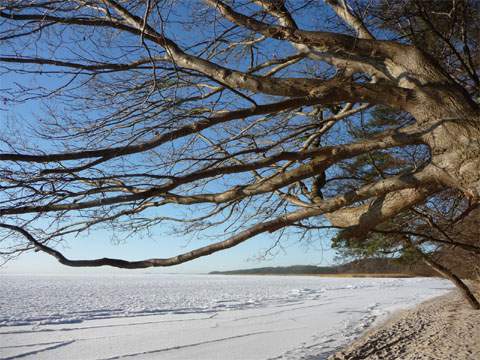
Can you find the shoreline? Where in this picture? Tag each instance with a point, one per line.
(196, 318)
(444, 327)
(332, 275)
(338, 275)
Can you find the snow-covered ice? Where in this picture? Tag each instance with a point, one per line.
(143, 316)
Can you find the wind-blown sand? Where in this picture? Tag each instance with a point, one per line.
(444, 328)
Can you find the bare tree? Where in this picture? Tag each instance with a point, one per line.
(251, 114)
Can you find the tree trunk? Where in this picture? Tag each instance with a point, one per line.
(442, 270)
(453, 134)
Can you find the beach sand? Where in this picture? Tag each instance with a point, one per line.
(443, 328)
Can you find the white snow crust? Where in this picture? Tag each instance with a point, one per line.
(151, 316)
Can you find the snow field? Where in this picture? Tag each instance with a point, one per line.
(195, 316)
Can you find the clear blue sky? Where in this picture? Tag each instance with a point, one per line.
(245, 255)
(98, 244)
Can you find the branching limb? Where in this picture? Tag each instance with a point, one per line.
(215, 119)
(321, 159)
(377, 189)
(359, 220)
(345, 12)
(442, 270)
(468, 247)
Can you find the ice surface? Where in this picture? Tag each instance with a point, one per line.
(194, 316)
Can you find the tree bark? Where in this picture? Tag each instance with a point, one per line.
(442, 270)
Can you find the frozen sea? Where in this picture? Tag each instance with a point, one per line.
(152, 316)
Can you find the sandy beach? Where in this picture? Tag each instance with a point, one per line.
(443, 328)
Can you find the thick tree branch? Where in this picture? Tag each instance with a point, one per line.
(215, 119)
(332, 43)
(88, 67)
(293, 87)
(447, 273)
(321, 159)
(345, 12)
(359, 220)
(379, 188)
(380, 58)
(343, 92)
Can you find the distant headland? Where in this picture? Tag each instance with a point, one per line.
(364, 267)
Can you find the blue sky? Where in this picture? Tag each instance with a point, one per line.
(99, 244)
(245, 255)
(162, 243)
